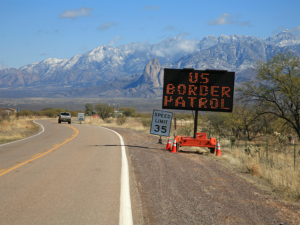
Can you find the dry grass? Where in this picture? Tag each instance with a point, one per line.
(277, 169)
(15, 129)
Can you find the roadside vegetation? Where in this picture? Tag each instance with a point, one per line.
(13, 128)
(16, 126)
(262, 134)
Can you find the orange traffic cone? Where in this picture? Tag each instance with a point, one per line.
(218, 152)
(174, 148)
(168, 147)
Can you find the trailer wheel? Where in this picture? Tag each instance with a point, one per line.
(212, 150)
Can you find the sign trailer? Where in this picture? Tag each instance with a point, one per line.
(199, 90)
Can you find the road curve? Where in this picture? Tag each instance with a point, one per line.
(69, 174)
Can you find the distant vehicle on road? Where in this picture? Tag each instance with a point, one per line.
(64, 117)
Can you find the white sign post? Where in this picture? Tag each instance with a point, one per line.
(161, 123)
(80, 117)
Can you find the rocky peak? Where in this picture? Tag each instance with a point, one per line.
(153, 73)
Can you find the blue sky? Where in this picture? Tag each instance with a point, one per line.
(33, 30)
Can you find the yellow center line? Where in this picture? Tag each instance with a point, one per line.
(53, 149)
(2, 170)
(36, 154)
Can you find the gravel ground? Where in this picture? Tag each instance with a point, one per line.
(190, 188)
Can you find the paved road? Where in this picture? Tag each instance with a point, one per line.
(65, 175)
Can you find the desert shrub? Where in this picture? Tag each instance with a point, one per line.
(186, 130)
(75, 113)
(128, 111)
(104, 110)
(146, 122)
(24, 113)
(121, 120)
(232, 140)
(253, 168)
(145, 119)
(4, 116)
(110, 120)
(51, 113)
(180, 116)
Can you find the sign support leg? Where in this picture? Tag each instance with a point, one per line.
(195, 123)
(160, 140)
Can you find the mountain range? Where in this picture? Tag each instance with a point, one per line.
(136, 69)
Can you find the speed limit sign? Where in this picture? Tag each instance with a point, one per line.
(161, 123)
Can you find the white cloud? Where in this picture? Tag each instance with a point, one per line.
(106, 25)
(82, 48)
(280, 28)
(295, 29)
(155, 7)
(226, 18)
(44, 54)
(73, 14)
(114, 40)
(172, 46)
(223, 19)
(245, 24)
(48, 32)
(169, 28)
(165, 48)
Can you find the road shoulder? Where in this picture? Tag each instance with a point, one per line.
(188, 188)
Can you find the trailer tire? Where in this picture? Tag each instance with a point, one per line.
(212, 150)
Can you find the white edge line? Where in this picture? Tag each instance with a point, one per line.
(27, 137)
(125, 216)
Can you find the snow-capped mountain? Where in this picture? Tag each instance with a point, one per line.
(130, 58)
(234, 56)
(104, 64)
(284, 38)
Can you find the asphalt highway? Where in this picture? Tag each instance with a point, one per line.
(68, 174)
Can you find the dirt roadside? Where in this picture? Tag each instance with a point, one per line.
(186, 188)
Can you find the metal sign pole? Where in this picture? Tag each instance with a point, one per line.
(195, 123)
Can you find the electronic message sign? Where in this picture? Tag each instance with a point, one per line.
(203, 90)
